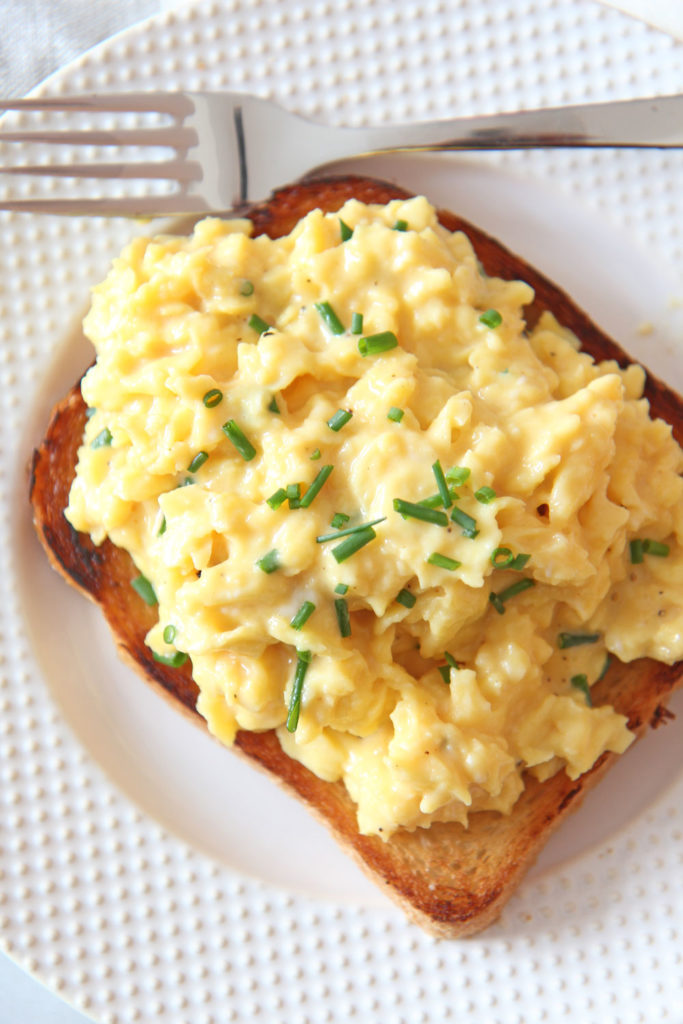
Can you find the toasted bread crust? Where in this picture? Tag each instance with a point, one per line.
(452, 881)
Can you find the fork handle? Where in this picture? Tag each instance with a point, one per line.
(642, 123)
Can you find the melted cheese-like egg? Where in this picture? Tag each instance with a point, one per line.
(205, 427)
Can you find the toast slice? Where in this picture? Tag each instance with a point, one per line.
(451, 880)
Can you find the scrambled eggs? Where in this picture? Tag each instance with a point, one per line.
(376, 513)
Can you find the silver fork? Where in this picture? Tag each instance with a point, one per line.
(230, 149)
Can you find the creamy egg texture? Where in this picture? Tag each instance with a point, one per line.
(378, 514)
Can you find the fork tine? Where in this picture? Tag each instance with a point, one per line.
(175, 137)
(176, 170)
(124, 206)
(145, 102)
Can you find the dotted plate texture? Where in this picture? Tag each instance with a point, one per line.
(133, 920)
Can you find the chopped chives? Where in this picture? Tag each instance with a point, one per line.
(329, 317)
(491, 318)
(315, 455)
(498, 600)
(435, 500)
(174, 660)
(451, 660)
(293, 495)
(485, 495)
(565, 640)
(246, 288)
(400, 225)
(342, 610)
(502, 558)
(466, 522)
(412, 510)
(302, 662)
(314, 488)
(344, 230)
(605, 668)
(580, 681)
(446, 499)
(197, 462)
(213, 398)
(458, 475)
(405, 598)
(357, 323)
(395, 414)
(443, 561)
(519, 561)
(162, 528)
(341, 588)
(269, 562)
(273, 406)
(445, 673)
(339, 420)
(323, 537)
(103, 439)
(303, 615)
(258, 324)
(239, 439)
(276, 499)
(170, 633)
(636, 547)
(338, 520)
(373, 344)
(353, 543)
(144, 589)
(655, 547)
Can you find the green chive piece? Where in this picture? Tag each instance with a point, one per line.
(466, 522)
(338, 520)
(339, 420)
(162, 528)
(451, 660)
(302, 663)
(435, 500)
(502, 558)
(258, 324)
(400, 225)
(349, 531)
(246, 288)
(174, 660)
(330, 317)
(269, 562)
(395, 414)
(293, 494)
(303, 615)
(353, 543)
(314, 488)
(315, 455)
(445, 673)
(485, 495)
(491, 318)
(519, 561)
(273, 406)
(412, 510)
(276, 499)
(498, 600)
(239, 439)
(343, 620)
(197, 462)
(565, 640)
(373, 344)
(344, 230)
(636, 547)
(341, 588)
(405, 598)
(144, 588)
(357, 323)
(213, 398)
(446, 499)
(103, 439)
(580, 681)
(170, 633)
(458, 475)
(443, 561)
(605, 668)
(655, 547)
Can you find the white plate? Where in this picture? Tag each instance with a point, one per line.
(146, 873)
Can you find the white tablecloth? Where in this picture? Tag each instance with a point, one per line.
(39, 37)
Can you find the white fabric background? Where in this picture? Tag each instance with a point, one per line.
(37, 38)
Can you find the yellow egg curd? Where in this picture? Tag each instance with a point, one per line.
(378, 514)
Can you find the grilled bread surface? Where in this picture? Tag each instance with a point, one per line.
(451, 880)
